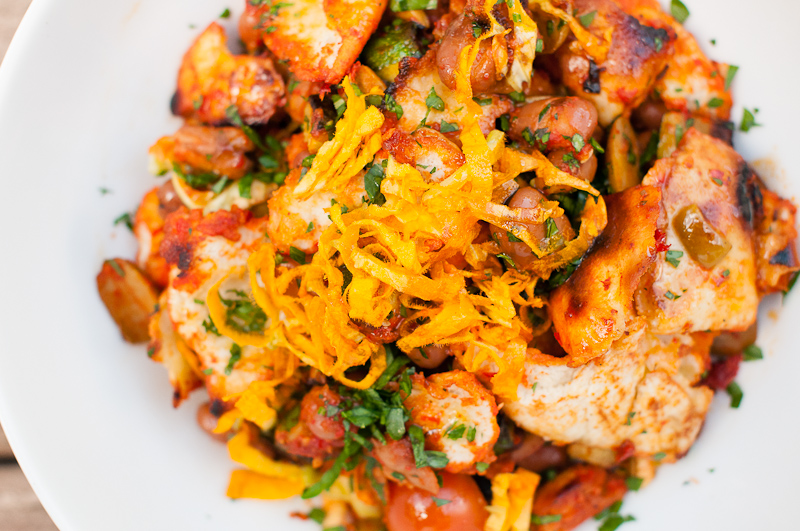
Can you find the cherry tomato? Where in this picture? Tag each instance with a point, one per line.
(458, 506)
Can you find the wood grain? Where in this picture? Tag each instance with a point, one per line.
(20, 509)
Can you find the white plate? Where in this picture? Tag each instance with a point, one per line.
(84, 90)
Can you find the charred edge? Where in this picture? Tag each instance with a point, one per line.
(647, 38)
(723, 131)
(174, 104)
(485, 485)
(748, 196)
(216, 407)
(786, 257)
(592, 83)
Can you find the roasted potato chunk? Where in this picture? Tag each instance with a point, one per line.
(320, 39)
(129, 297)
(211, 80)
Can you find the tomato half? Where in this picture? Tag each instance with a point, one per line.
(458, 506)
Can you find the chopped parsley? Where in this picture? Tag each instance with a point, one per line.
(310, 227)
(576, 140)
(116, 267)
(674, 258)
(483, 102)
(517, 97)
(392, 106)
(447, 127)
(372, 184)
(671, 296)
(748, 121)
(659, 456)
(732, 69)
(751, 353)
(440, 501)
(456, 432)
(243, 314)
(433, 101)
(545, 519)
(511, 237)
(412, 5)
(208, 371)
(715, 102)
(472, 431)
(125, 219)
(717, 181)
(424, 457)
(317, 515)
(508, 259)
(481, 467)
(236, 355)
(551, 229)
(297, 255)
(736, 394)
(219, 185)
(633, 483)
(679, 11)
(587, 19)
(225, 14)
(597, 147)
(232, 113)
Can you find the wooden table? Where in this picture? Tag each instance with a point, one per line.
(20, 510)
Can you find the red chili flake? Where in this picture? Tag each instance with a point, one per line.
(661, 241)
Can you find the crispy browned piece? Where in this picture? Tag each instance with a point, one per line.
(577, 494)
(776, 236)
(595, 306)
(211, 79)
(129, 297)
(168, 349)
(638, 54)
(221, 150)
(320, 39)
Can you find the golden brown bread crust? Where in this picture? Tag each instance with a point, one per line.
(595, 305)
(320, 39)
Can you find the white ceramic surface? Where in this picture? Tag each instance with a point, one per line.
(84, 90)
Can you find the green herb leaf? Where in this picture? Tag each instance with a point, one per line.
(517, 97)
(116, 267)
(398, 6)
(236, 355)
(417, 437)
(447, 127)
(679, 11)
(551, 229)
(395, 423)
(225, 14)
(751, 353)
(674, 258)
(297, 255)
(577, 141)
(505, 123)
(587, 19)
(433, 101)
(392, 106)
(440, 501)
(232, 113)
(472, 431)
(715, 102)
(360, 416)
(748, 121)
(545, 519)
(208, 371)
(736, 394)
(317, 515)
(483, 102)
(633, 483)
(732, 69)
(659, 456)
(482, 467)
(511, 237)
(126, 219)
(372, 184)
(614, 521)
(671, 296)
(456, 432)
(219, 185)
(597, 147)
(508, 259)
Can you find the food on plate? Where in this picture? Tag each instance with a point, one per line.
(452, 264)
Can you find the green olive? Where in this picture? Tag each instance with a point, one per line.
(700, 239)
